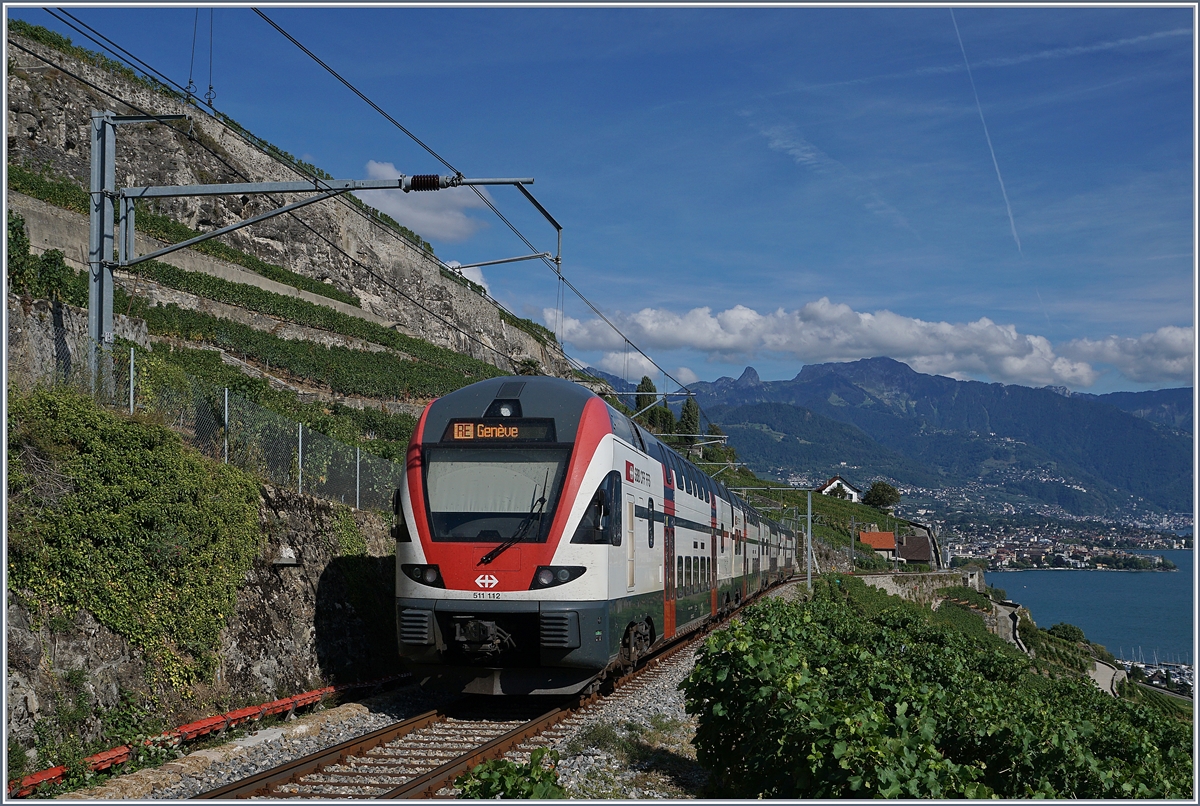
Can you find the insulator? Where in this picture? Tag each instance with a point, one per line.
(427, 182)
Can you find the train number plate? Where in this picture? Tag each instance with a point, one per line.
(486, 595)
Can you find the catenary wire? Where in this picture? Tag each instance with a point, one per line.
(113, 47)
(383, 280)
(479, 193)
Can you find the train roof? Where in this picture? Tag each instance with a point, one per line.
(538, 396)
(541, 396)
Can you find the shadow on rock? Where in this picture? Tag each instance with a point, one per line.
(355, 620)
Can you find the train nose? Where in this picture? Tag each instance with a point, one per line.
(479, 636)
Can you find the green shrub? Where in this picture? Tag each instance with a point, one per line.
(501, 778)
(163, 535)
(1067, 632)
(45, 276)
(839, 697)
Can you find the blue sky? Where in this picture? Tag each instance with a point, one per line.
(771, 187)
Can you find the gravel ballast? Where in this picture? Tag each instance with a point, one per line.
(636, 743)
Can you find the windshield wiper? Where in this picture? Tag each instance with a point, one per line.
(535, 512)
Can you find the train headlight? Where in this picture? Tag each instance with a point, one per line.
(506, 410)
(548, 576)
(423, 574)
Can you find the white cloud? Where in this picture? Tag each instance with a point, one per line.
(631, 366)
(438, 215)
(474, 274)
(826, 331)
(1167, 354)
(685, 376)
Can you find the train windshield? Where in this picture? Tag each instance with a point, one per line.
(486, 494)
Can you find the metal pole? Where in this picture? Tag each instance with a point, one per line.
(357, 468)
(226, 425)
(101, 236)
(808, 536)
(300, 458)
(850, 546)
(131, 380)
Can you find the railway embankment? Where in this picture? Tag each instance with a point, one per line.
(147, 622)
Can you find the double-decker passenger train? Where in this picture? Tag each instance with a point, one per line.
(545, 540)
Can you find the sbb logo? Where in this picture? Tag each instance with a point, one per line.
(636, 475)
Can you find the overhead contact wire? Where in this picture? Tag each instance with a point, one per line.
(96, 37)
(356, 91)
(440, 159)
(354, 260)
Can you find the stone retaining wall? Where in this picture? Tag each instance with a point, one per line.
(922, 588)
(328, 619)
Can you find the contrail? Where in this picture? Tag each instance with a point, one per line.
(1003, 192)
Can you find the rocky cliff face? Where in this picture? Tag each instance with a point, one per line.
(49, 119)
(324, 615)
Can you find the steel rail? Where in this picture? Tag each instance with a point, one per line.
(261, 783)
(428, 783)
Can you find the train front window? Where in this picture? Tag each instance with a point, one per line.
(486, 494)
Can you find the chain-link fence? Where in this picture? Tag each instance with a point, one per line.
(227, 427)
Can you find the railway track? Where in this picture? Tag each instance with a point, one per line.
(420, 757)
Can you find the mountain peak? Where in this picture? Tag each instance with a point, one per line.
(749, 378)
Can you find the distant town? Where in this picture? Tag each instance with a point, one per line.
(974, 528)
(991, 499)
(1000, 546)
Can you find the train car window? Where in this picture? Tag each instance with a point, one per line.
(679, 581)
(601, 522)
(650, 522)
(687, 575)
(621, 426)
(642, 442)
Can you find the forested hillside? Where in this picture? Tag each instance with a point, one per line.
(1078, 451)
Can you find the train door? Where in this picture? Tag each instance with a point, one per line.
(712, 569)
(630, 541)
(670, 582)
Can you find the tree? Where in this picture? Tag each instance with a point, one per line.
(1067, 632)
(689, 419)
(645, 400)
(882, 496)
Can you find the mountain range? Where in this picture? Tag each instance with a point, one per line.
(1120, 453)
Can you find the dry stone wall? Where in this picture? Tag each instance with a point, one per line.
(922, 588)
(324, 617)
(49, 118)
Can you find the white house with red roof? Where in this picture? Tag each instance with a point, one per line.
(848, 491)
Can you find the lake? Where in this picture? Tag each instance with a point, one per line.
(1120, 609)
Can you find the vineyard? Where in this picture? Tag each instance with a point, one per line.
(67, 194)
(858, 694)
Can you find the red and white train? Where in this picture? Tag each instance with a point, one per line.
(545, 539)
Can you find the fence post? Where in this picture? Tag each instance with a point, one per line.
(131, 381)
(357, 469)
(300, 458)
(226, 425)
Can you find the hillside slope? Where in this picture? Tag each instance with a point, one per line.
(339, 242)
(1083, 453)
